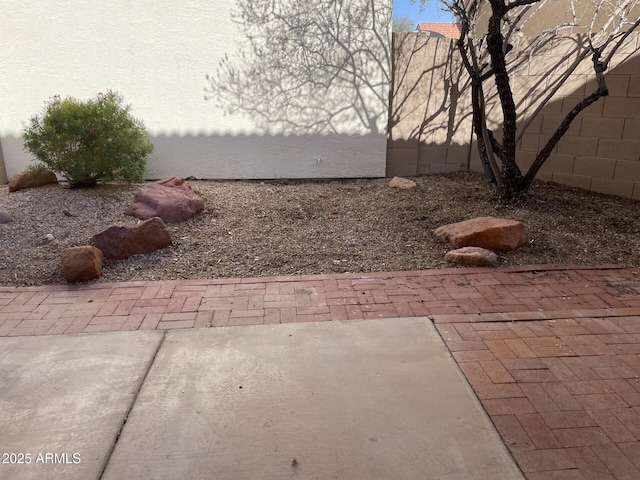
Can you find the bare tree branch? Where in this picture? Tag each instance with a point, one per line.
(520, 3)
(608, 28)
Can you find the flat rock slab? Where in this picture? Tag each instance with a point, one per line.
(474, 256)
(485, 232)
(375, 399)
(66, 395)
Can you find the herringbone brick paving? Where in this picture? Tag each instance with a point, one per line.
(552, 352)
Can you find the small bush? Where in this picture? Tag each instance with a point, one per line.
(89, 141)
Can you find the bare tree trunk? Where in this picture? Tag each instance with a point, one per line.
(482, 137)
(614, 18)
(478, 108)
(511, 176)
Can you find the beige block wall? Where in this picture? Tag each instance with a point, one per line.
(429, 121)
(556, 13)
(600, 152)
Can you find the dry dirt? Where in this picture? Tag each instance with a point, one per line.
(252, 228)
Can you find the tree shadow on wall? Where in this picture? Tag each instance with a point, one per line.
(308, 67)
(427, 82)
(431, 91)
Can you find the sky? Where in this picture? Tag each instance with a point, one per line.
(430, 13)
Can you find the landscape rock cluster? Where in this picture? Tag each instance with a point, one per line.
(173, 200)
(475, 239)
(170, 200)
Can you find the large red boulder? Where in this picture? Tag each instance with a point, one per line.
(80, 264)
(486, 232)
(118, 243)
(24, 180)
(171, 199)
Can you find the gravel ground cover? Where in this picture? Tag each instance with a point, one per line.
(254, 228)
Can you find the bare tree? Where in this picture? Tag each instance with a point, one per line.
(308, 66)
(487, 56)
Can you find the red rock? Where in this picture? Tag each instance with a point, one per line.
(24, 180)
(171, 199)
(80, 264)
(122, 242)
(402, 183)
(486, 232)
(476, 256)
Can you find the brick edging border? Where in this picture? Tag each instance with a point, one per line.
(538, 268)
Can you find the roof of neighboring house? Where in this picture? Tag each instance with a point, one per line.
(447, 30)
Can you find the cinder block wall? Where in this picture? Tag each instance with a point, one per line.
(600, 152)
(429, 121)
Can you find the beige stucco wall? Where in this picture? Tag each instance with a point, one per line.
(601, 151)
(157, 55)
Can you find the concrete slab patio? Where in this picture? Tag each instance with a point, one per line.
(374, 400)
(371, 399)
(63, 400)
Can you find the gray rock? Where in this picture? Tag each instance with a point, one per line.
(5, 217)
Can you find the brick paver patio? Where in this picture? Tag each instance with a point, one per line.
(552, 352)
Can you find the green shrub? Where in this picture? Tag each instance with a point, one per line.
(88, 141)
(35, 170)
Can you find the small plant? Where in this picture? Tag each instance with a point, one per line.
(34, 171)
(89, 141)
